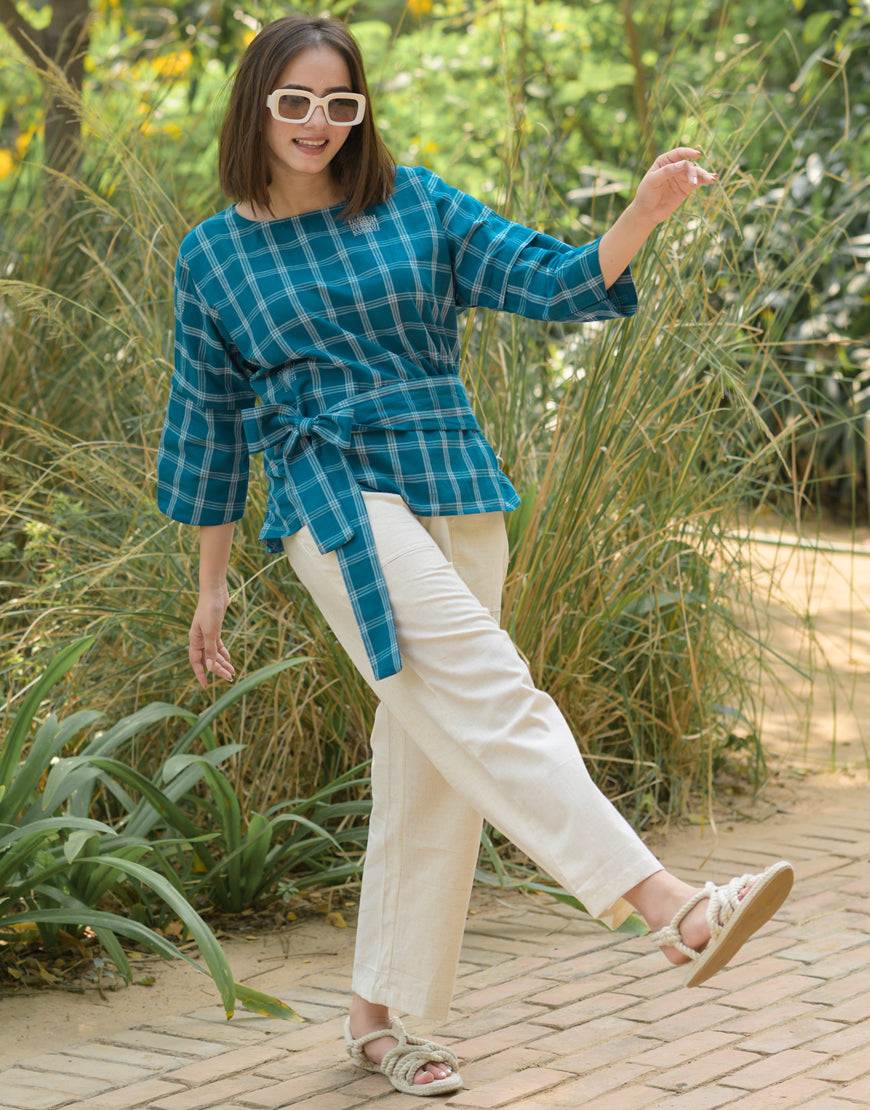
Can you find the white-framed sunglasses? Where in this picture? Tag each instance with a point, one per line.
(296, 106)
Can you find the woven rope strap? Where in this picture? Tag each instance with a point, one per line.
(405, 1060)
(723, 902)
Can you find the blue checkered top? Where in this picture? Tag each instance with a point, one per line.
(333, 346)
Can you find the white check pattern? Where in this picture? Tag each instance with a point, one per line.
(328, 320)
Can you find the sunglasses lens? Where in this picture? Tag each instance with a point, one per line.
(293, 106)
(342, 109)
(297, 107)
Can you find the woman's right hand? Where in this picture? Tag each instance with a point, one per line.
(208, 653)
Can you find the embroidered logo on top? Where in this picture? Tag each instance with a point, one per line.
(359, 225)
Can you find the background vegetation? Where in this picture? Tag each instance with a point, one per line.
(744, 381)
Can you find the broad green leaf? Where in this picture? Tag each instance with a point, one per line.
(255, 849)
(98, 919)
(183, 773)
(175, 764)
(78, 783)
(64, 661)
(115, 952)
(211, 951)
(264, 1004)
(52, 824)
(76, 844)
(51, 737)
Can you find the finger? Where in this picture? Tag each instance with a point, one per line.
(221, 668)
(223, 658)
(210, 651)
(689, 172)
(218, 666)
(196, 655)
(678, 154)
(209, 655)
(697, 175)
(196, 662)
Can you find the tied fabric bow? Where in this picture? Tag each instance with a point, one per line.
(328, 499)
(327, 495)
(333, 427)
(310, 475)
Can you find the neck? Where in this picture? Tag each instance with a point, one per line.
(280, 211)
(295, 198)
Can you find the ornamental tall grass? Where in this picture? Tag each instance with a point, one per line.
(635, 446)
(640, 446)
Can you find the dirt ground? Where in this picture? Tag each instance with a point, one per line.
(815, 726)
(816, 624)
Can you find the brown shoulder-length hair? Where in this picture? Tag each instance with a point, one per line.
(363, 168)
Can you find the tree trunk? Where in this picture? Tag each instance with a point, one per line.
(59, 53)
(66, 38)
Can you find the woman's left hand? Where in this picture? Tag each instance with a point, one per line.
(672, 178)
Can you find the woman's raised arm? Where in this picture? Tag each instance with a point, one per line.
(671, 179)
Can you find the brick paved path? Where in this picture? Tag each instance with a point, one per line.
(551, 1010)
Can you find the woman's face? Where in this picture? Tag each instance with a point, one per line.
(300, 153)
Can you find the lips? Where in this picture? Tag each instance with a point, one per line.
(313, 145)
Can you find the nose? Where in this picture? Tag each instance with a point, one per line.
(318, 117)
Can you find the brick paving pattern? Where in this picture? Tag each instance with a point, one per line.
(552, 1011)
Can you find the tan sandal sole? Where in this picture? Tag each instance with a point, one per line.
(757, 906)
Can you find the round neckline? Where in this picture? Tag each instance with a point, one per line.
(284, 219)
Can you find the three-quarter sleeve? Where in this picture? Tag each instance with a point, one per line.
(505, 266)
(202, 462)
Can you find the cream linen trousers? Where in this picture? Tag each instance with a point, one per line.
(460, 734)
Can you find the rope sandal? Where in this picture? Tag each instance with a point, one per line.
(732, 919)
(401, 1064)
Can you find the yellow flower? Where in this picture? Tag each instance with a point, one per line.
(23, 142)
(173, 65)
(419, 7)
(7, 163)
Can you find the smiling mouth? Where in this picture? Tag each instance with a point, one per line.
(311, 144)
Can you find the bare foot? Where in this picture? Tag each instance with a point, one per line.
(366, 1017)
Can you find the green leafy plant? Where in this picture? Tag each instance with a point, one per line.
(635, 447)
(239, 863)
(57, 865)
(317, 839)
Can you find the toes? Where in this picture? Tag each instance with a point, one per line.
(433, 1071)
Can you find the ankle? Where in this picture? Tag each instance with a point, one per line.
(658, 898)
(366, 1017)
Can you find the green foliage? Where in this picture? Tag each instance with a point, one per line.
(542, 75)
(242, 861)
(809, 218)
(59, 866)
(825, 355)
(660, 433)
(634, 446)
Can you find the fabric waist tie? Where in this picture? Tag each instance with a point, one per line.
(328, 497)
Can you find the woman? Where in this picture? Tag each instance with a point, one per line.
(316, 321)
